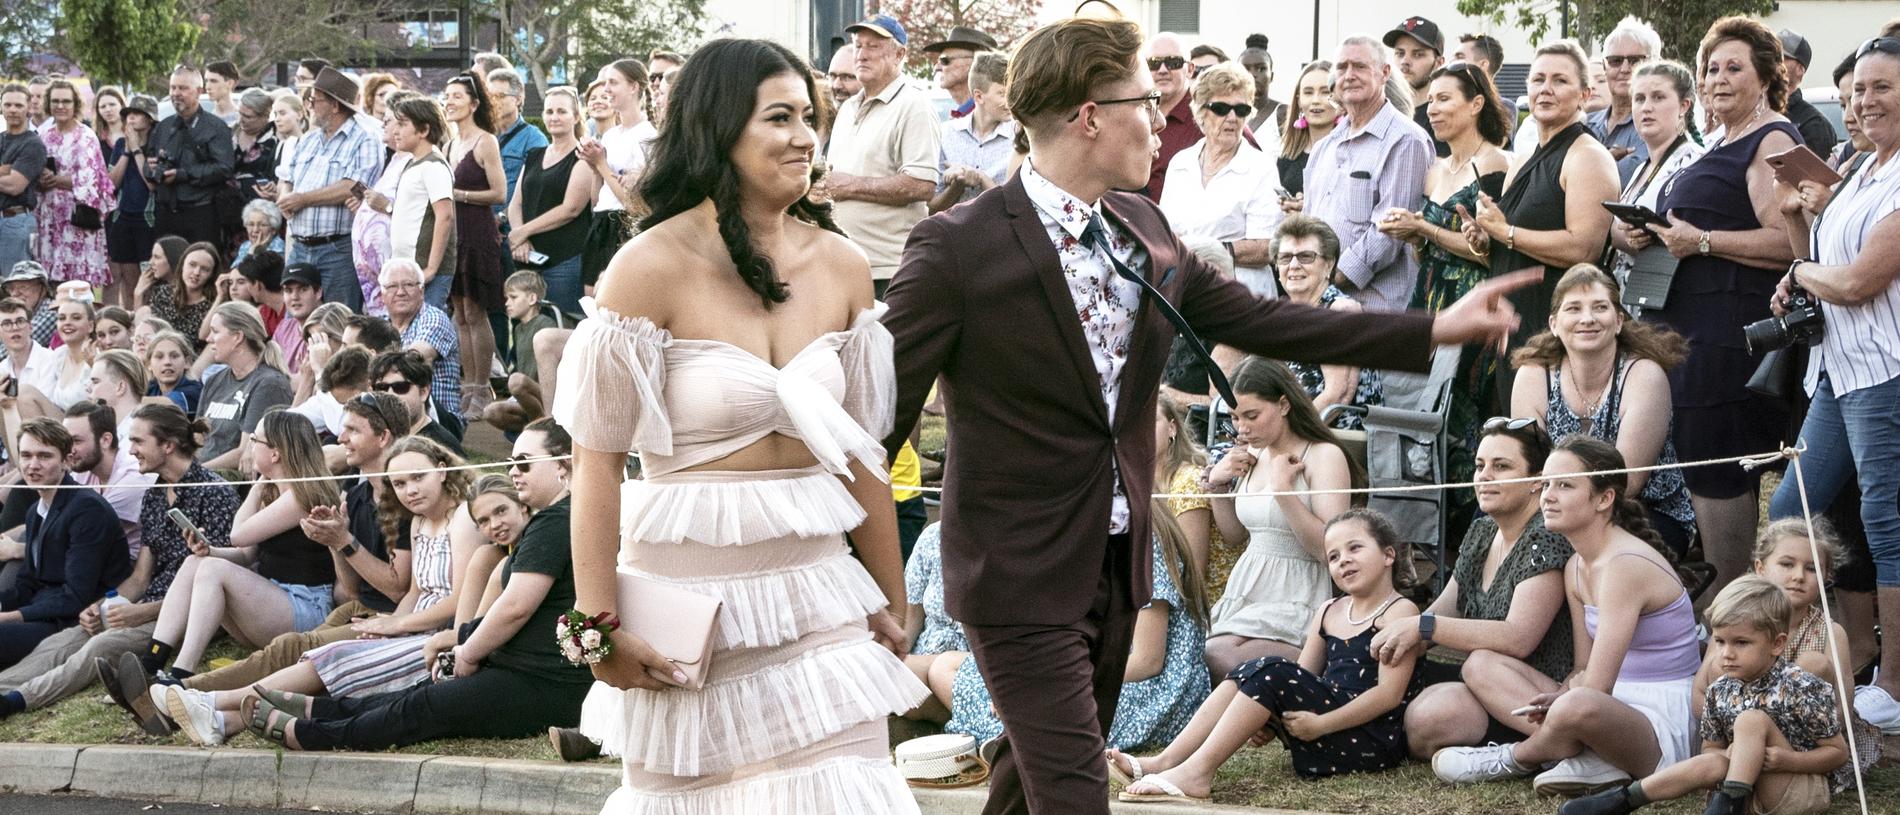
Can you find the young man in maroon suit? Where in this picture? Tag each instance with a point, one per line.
(1026, 302)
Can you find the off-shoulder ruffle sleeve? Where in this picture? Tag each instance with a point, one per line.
(612, 380)
(870, 373)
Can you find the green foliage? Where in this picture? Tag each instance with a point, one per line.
(126, 41)
(1680, 22)
(26, 29)
(583, 35)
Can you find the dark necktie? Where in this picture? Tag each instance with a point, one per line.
(1096, 237)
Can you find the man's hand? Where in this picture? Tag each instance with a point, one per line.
(122, 616)
(1483, 315)
(89, 619)
(11, 549)
(327, 525)
(290, 203)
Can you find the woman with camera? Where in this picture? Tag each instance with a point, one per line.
(1845, 261)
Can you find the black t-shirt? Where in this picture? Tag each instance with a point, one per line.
(367, 529)
(292, 557)
(543, 549)
(27, 155)
(543, 189)
(435, 432)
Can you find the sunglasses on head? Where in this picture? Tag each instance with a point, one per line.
(1221, 109)
(1885, 45)
(401, 388)
(1170, 63)
(1507, 423)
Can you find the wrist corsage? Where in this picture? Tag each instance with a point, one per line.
(584, 639)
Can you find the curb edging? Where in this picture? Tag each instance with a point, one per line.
(377, 782)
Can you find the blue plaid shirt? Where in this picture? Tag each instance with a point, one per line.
(319, 160)
(433, 327)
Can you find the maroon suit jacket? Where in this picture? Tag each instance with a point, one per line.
(980, 300)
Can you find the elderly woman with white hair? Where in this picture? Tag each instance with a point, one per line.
(1222, 188)
(263, 228)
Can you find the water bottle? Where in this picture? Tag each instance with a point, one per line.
(112, 598)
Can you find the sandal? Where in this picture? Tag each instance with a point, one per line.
(295, 704)
(267, 721)
(1169, 794)
(1115, 771)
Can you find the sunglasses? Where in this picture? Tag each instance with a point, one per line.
(1170, 63)
(1885, 45)
(1304, 258)
(522, 463)
(1221, 109)
(1496, 423)
(1619, 61)
(398, 388)
(947, 61)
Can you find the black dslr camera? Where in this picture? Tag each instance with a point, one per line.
(1803, 324)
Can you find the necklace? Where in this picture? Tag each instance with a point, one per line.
(1590, 407)
(1369, 617)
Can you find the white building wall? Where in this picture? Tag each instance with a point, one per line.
(1833, 27)
(786, 21)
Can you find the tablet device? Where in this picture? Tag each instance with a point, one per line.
(1801, 164)
(1634, 214)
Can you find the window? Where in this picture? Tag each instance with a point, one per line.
(1180, 16)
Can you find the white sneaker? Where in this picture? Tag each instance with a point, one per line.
(1581, 774)
(1471, 765)
(195, 712)
(1878, 708)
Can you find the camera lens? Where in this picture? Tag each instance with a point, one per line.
(1766, 335)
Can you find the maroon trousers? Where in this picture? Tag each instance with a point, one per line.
(1055, 688)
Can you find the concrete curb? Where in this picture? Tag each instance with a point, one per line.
(376, 782)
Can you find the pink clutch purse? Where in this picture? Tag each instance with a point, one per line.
(673, 621)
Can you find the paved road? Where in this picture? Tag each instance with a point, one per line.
(86, 805)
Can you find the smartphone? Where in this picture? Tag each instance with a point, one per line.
(1282, 193)
(185, 525)
(356, 189)
(1635, 215)
(1801, 164)
(12, 388)
(537, 258)
(1529, 709)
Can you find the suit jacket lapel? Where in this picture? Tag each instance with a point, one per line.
(1140, 347)
(1047, 265)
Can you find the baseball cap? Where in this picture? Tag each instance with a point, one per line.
(1417, 28)
(1796, 46)
(304, 274)
(883, 25)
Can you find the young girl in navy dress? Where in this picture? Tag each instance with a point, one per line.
(1337, 710)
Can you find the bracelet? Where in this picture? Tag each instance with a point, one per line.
(1510, 238)
(583, 639)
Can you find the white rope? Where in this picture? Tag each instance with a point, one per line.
(1841, 683)
(419, 471)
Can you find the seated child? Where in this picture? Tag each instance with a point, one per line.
(525, 291)
(1338, 710)
(1769, 729)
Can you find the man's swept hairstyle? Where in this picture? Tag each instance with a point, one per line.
(1057, 66)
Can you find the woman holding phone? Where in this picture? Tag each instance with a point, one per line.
(1661, 97)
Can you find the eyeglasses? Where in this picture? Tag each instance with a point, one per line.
(1221, 109)
(1170, 63)
(522, 463)
(1304, 258)
(1621, 61)
(947, 60)
(14, 323)
(1496, 423)
(401, 388)
(401, 286)
(1152, 106)
(259, 440)
(1885, 45)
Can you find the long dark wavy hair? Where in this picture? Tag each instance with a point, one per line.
(1627, 512)
(708, 108)
(1273, 381)
(1638, 338)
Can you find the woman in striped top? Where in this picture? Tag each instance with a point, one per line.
(388, 656)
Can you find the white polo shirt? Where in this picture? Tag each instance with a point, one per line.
(894, 132)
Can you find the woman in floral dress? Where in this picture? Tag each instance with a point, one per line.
(70, 252)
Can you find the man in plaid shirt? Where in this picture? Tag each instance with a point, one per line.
(325, 165)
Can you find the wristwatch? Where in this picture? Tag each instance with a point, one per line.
(1702, 246)
(348, 549)
(1427, 626)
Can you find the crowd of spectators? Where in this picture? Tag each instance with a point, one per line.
(261, 325)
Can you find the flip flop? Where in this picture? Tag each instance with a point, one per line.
(1115, 771)
(1170, 794)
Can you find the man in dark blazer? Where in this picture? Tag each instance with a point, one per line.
(75, 547)
(1050, 364)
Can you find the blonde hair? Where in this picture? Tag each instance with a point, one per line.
(1225, 79)
(244, 319)
(1058, 65)
(1754, 602)
(1821, 533)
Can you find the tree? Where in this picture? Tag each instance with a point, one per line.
(130, 41)
(551, 34)
(1680, 22)
(928, 21)
(258, 34)
(26, 30)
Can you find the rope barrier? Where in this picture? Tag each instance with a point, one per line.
(255, 482)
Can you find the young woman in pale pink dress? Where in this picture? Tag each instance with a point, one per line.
(69, 252)
(755, 397)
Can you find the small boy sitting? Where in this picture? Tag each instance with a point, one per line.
(1770, 730)
(525, 290)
